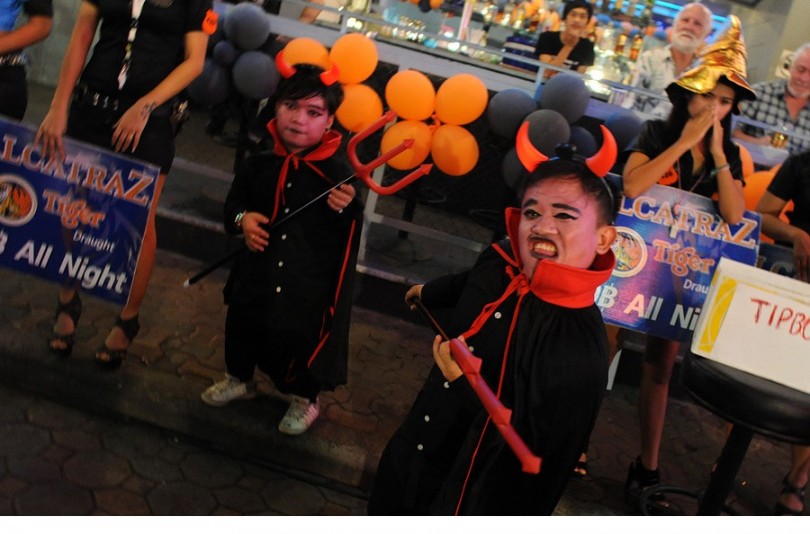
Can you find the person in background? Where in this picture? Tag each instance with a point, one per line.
(121, 100)
(692, 150)
(289, 296)
(791, 183)
(783, 104)
(13, 39)
(526, 309)
(569, 48)
(655, 69)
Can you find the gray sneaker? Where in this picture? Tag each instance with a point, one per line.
(228, 390)
(300, 416)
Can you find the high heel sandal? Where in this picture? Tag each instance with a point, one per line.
(73, 309)
(639, 478)
(130, 328)
(790, 489)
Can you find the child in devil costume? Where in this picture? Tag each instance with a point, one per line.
(527, 310)
(289, 295)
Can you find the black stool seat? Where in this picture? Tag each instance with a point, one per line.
(763, 406)
(753, 405)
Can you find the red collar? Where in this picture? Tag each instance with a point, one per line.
(553, 282)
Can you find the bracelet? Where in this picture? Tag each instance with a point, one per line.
(237, 221)
(720, 168)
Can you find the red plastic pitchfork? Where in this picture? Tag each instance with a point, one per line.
(362, 171)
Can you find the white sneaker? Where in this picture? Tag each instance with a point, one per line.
(300, 416)
(228, 390)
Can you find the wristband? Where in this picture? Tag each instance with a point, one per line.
(237, 221)
(720, 168)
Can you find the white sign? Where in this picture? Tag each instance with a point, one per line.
(758, 322)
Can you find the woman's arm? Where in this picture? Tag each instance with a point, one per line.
(55, 122)
(731, 198)
(770, 207)
(37, 28)
(133, 121)
(641, 172)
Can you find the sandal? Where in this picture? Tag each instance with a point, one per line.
(639, 479)
(581, 469)
(73, 309)
(130, 328)
(790, 489)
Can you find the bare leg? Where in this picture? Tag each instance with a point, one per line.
(659, 359)
(798, 475)
(64, 324)
(116, 340)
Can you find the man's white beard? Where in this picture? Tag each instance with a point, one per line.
(798, 92)
(685, 43)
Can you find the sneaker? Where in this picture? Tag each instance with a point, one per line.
(299, 417)
(228, 390)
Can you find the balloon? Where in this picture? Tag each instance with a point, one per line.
(454, 150)
(583, 141)
(225, 53)
(402, 130)
(247, 26)
(755, 186)
(506, 111)
(356, 57)
(461, 99)
(221, 9)
(360, 107)
(411, 95)
(747, 162)
(625, 127)
(306, 50)
(512, 169)
(566, 94)
(212, 86)
(547, 129)
(436, 4)
(255, 75)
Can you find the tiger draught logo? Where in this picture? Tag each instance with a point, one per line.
(630, 250)
(18, 202)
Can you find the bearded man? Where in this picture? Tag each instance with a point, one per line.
(784, 104)
(656, 69)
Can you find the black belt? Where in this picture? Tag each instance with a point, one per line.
(15, 59)
(86, 95)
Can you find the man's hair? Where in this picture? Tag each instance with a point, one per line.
(573, 4)
(803, 49)
(598, 189)
(707, 14)
(306, 83)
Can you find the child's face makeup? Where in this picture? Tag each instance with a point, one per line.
(302, 123)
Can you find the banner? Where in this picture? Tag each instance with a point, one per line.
(777, 259)
(78, 222)
(668, 247)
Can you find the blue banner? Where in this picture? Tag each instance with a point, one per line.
(78, 222)
(776, 259)
(668, 246)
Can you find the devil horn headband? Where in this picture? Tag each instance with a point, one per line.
(599, 164)
(328, 77)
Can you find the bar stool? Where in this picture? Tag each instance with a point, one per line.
(753, 405)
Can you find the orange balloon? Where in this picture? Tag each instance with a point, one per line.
(454, 150)
(402, 130)
(411, 95)
(436, 4)
(360, 107)
(747, 162)
(755, 185)
(306, 50)
(461, 99)
(356, 57)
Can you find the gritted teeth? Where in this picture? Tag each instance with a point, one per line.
(544, 247)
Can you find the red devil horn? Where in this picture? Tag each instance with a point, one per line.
(601, 162)
(330, 76)
(285, 69)
(527, 153)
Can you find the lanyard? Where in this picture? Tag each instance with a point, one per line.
(137, 7)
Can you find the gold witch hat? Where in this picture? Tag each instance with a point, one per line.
(724, 57)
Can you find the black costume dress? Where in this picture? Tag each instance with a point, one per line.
(544, 352)
(289, 306)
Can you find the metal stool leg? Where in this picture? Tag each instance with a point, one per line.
(726, 471)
